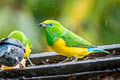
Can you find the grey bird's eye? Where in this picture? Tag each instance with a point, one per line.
(51, 24)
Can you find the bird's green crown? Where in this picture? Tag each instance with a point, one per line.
(20, 36)
(55, 27)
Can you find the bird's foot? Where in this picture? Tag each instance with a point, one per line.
(74, 59)
(67, 59)
(30, 61)
(22, 64)
(86, 58)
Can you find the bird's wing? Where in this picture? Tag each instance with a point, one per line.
(73, 40)
(29, 43)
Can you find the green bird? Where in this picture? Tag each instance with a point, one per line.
(24, 40)
(65, 42)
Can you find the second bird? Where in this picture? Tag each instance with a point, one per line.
(24, 40)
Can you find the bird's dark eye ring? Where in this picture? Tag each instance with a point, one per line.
(51, 24)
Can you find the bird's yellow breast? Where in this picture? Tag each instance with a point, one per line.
(60, 47)
(28, 51)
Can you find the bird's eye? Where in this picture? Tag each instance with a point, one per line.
(51, 24)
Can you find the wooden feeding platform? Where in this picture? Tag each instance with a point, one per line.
(98, 66)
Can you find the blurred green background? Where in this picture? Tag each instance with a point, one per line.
(98, 21)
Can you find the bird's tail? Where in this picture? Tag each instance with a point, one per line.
(95, 49)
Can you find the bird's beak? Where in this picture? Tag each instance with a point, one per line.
(42, 25)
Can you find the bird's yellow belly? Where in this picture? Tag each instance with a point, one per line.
(28, 51)
(60, 47)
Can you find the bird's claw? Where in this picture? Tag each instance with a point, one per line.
(67, 59)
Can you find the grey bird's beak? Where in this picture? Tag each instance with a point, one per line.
(42, 25)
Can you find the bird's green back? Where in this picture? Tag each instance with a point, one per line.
(74, 40)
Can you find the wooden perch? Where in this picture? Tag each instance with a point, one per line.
(70, 69)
